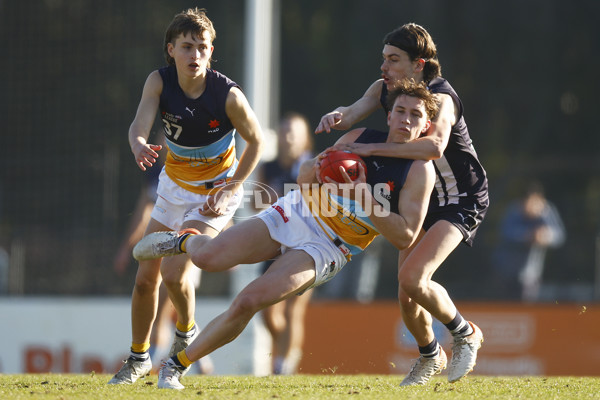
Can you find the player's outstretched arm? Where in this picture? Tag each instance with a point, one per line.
(343, 118)
(428, 147)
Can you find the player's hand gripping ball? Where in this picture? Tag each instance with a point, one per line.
(330, 165)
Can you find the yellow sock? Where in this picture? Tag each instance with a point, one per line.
(140, 347)
(183, 359)
(185, 328)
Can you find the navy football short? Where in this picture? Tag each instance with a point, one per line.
(466, 217)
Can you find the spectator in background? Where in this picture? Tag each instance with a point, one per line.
(285, 320)
(530, 226)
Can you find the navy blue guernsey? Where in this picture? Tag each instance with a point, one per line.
(199, 134)
(201, 121)
(389, 171)
(460, 177)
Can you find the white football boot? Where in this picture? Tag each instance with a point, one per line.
(160, 244)
(169, 376)
(424, 368)
(464, 354)
(131, 371)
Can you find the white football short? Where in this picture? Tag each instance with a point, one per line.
(291, 223)
(176, 205)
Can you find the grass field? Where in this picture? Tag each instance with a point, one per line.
(299, 387)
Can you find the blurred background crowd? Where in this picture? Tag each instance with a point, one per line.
(73, 72)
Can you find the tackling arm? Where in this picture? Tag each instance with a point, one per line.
(429, 147)
(345, 117)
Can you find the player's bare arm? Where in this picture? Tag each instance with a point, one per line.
(429, 147)
(246, 124)
(139, 131)
(402, 229)
(343, 118)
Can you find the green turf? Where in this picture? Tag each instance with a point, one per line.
(299, 387)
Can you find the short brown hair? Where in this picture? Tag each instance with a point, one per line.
(409, 87)
(192, 20)
(418, 43)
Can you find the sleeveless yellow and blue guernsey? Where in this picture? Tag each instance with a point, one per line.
(343, 219)
(200, 136)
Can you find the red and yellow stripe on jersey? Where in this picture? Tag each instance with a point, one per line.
(193, 168)
(341, 218)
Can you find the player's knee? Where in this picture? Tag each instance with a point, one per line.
(145, 285)
(411, 287)
(172, 271)
(172, 279)
(245, 305)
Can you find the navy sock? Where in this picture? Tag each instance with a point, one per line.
(431, 350)
(459, 326)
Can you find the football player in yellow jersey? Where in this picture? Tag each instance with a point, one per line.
(308, 254)
(200, 186)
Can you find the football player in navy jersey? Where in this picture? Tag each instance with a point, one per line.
(458, 202)
(200, 186)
